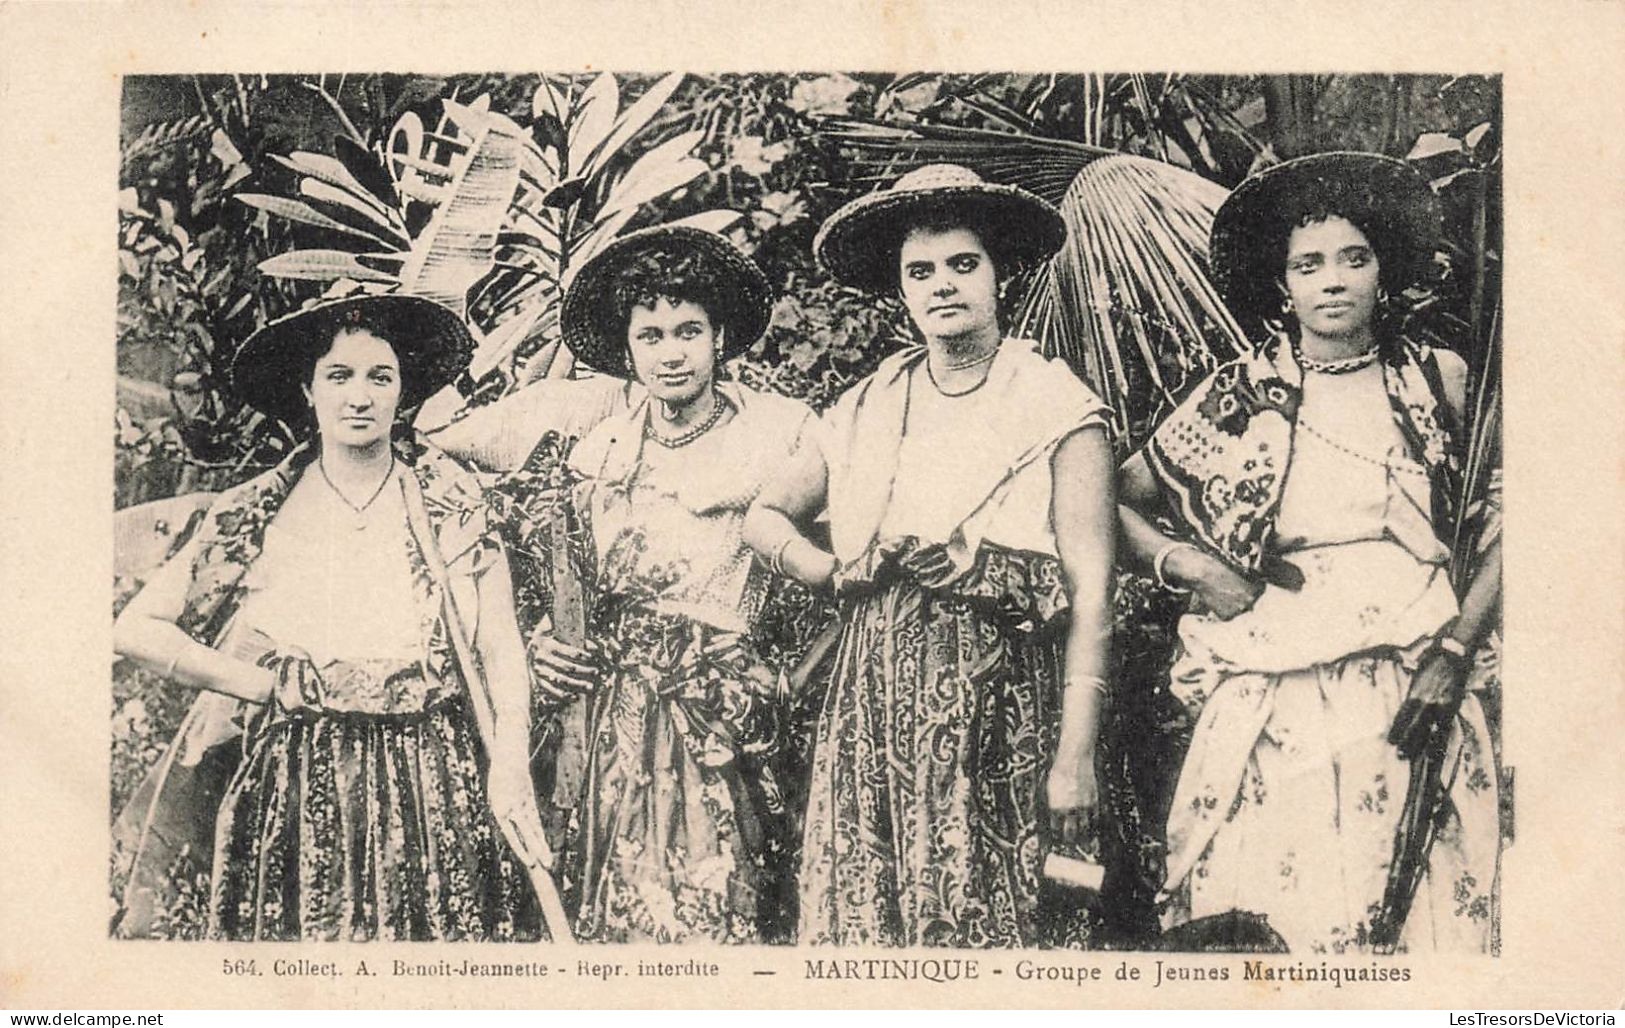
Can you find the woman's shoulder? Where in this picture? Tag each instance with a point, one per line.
(767, 410)
(890, 374)
(587, 458)
(1049, 382)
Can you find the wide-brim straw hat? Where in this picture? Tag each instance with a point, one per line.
(858, 245)
(431, 342)
(589, 321)
(1247, 251)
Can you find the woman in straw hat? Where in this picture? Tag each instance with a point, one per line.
(683, 818)
(968, 488)
(347, 615)
(1312, 484)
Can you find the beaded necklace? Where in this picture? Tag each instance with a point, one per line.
(1341, 366)
(719, 406)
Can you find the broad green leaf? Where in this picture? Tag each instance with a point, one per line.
(322, 168)
(593, 118)
(387, 229)
(602, 233)
(547, 100)
(296, 210)
(405, 142)
(658, 172)
(495, 347)
(456, 247)
(634, 120)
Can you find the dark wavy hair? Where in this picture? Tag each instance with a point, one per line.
(1397, 256)
(946, 219)
(661, 274)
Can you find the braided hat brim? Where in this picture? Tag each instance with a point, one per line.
(587, 316)
(1248, 241)
(858, 244)
(431, 342)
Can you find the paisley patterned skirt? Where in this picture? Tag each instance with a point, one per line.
(922, 826)
(343, 825)
(683, 815)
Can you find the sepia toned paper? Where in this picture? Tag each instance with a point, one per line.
(1563, 916)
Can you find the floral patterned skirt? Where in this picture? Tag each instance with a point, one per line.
(683, 816)
(350, 826)
(922, 826)
(1289, 800)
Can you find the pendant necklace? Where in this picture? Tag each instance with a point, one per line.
(359, 511)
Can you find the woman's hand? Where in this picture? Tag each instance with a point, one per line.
(513, 803)
(562, 672)
(930, 566)
(1073, 797)
(296, 684)
(1219, 588)
(1436, 693)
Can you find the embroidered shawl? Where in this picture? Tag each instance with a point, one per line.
(1221, 457)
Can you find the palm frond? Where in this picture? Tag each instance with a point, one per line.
(879, 152)
(1475, 525)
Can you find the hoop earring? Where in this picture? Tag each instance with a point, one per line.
(1286, 305)
(1382, 296)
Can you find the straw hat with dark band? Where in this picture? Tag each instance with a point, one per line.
(594, 328)
(1387, 198)
(859, 243)
(431, 342)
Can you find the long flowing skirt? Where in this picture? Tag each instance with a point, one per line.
(1289, 800)
(683, 815)
(923, 818)
(343, 826)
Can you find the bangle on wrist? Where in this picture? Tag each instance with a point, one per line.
(1159, 565)
(175, 659)
(776, 562)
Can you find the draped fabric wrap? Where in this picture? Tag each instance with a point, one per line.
(923, 820)
(363, 818)
(1221, 457)
(1290, 794)
(684, 826)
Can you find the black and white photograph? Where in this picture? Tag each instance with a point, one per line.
(945, 522)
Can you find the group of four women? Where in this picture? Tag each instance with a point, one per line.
(351, 613)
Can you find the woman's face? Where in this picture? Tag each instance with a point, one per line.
(948, 283)
(356, 389)
(673, 346)
(1332, 278)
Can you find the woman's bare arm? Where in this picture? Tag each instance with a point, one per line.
(770, 525)
(146, 631)
(1083, 511)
